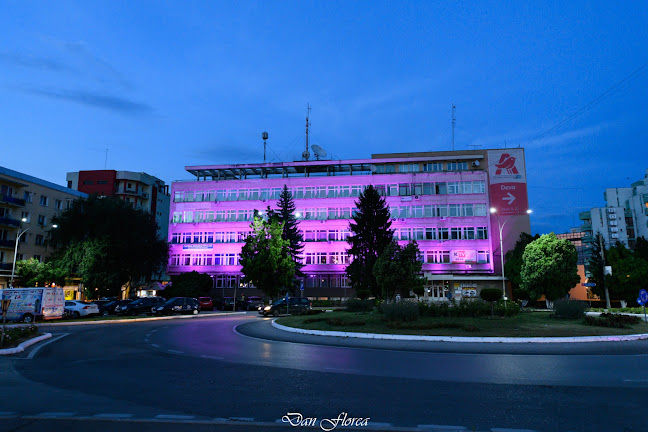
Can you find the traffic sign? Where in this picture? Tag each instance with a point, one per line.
(640, 302)
(643, 295)
(5, 305)
(589, 284)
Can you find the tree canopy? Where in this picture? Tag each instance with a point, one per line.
(266, 259)
(397, 270)
(108, 243)
(513, 264)
(629, 273)
(189, 284)
(371, 233)
(285, 214)
(549, 267)
(35, 273)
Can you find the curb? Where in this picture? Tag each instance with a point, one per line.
(620, 338)
(20, 348)
(121, 321)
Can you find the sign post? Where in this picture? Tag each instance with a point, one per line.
(287, 310)
(5, 308)
(642, 300)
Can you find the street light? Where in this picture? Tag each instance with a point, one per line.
(493, 210)
(20, 233)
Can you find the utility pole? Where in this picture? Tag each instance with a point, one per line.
(607, 293)
(264, 135)
(454, 120)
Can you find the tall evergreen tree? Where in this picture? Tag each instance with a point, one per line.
(595, 269)
(285, 214)
(371, 233)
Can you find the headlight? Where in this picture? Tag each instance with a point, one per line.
(267, 308)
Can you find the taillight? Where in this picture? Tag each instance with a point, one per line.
(86, 307)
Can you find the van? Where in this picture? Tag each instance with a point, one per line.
(30, 304)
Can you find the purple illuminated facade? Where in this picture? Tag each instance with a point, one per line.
(439, 199)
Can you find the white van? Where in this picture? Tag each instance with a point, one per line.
(28, 304)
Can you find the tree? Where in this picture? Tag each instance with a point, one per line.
(397, 270)
(108, 243)
(641, 248)
(629, 273)
(370, 234)
(491, 295)
(549, 267)
(266, 259)
(189, 284)
(595, 268)
(285, 214)
(35, 273)
(513, 264)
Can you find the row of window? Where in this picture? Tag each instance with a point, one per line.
(332, 213)
(426, 167)
(327, 258)
(323, 281)
(309, 192)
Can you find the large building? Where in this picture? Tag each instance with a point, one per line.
(624, 217)
(142, 190)
(439, 199)
(27, 206)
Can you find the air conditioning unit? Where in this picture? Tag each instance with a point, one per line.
(416, 197)
(612, 216)
(402, 219)
(611, 210)
(475, 164)
(394, 219)
(265, 200)
(616, 236)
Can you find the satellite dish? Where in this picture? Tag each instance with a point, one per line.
(305, 155)
(319, 151)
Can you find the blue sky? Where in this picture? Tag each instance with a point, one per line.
(162, 85)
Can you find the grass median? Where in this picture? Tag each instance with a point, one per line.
(527, 324)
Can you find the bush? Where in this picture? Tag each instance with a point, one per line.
(511, 309)
(404, 311)
(334, 322)
(490, 294)
(357, 305)
(604, 322)
(466, 308)
(569, 309)
(13, 336)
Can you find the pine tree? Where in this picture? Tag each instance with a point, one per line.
(595, 269)
(285, 214)
(371, 233)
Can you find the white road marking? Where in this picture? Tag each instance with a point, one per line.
(510, 430)
(211, 357)
(175, 352)
(114, 415)
(152, 331)
(244, 419)
(379, 425)
(342, 370)
(638, 380)
(155, 345)
(55, 414)
(174, 417)
(33, 352)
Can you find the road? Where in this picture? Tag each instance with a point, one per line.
(239, 373)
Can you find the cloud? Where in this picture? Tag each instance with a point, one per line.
(93, 99)
(32, 62)
(104, 70)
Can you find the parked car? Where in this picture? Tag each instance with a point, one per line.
(142, 305)
(181, 305)
(206, 303)
(78, 309)
(226, 303)
(253, 303)
(109, 308)
(296, 305)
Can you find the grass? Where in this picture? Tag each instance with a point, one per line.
(527, 324)
(17, 335)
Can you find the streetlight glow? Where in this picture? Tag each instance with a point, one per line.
(493, 210)
(529, 211)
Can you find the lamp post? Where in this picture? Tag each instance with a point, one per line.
(500, 225)
(20, 233)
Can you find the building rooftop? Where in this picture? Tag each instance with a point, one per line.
(31, 179)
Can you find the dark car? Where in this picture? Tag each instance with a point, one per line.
(206, 303)
(296, 305)
(178, 305)
(106, 309)
(139, 306)
(253, 303)
(227, 303)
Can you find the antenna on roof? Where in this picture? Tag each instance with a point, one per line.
(306, 153)
(264, 135)
(454, 120)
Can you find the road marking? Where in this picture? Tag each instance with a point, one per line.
(343, 370)
(243, 419)
(442, 427)
(152, 331)
(510, 430)
(146, 340)
(379, 425)
(175, 352)
(155, 345)
(638, 380)
(174, 417)
(55, 414)
(114, 415)
(33, 352)
(212, 357)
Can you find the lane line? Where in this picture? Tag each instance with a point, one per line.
(155, 345)
(33, 352)
(55, 414)
(113, 415)
(442, 427)
(175, 352)
(343, 370)
(635, 380)
(510, 430)
(212, 357)
(174, 417)
(243, 419)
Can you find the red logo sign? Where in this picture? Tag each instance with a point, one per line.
(506, 162)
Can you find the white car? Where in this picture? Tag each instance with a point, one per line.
(78, 309)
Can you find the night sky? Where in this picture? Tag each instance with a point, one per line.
(163, 85)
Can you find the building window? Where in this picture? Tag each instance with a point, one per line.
(482, 257)
(433, 167)
(455, 233)
(443, 234)
(41, 220)
(39, 240)
(88, 182)
(405, 168)
(457, 166)
(37, 258)
(58, 204)
(430, 234)
(26, 216)
(482, 233)
(44, 201)
(29, 196)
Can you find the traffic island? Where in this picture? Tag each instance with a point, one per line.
(524, 327)
(16, 339)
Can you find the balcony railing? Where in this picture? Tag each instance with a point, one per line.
(10, 244)
(6, 266)
(11, 200)
(9, 221)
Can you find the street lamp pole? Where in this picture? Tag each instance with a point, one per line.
(13, 268)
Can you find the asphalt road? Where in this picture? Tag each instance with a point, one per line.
(236, 373)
